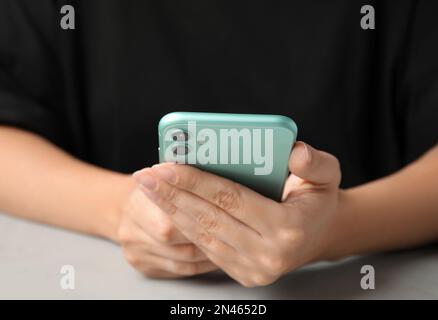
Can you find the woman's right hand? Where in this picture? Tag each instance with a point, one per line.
(151, 243)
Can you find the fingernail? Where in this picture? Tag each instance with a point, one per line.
(308, 153)
(165, 173)
(146, 180)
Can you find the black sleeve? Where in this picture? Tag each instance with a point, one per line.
(420, 84)
(29, 69)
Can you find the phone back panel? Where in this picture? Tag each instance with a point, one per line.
(250, 149)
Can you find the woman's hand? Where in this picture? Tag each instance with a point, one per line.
(255, 240)
(153, 245)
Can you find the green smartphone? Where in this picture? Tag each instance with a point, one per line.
(251, 149)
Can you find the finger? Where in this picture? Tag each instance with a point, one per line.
(180, 267)
(219, 253)
(210, 245)
(205, 217)
(153, 221)
(180, 252)
(159, 274)
(146, 262)
(314, 166)
(237, 200)
(194, 231)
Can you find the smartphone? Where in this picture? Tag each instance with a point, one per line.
(250, 149)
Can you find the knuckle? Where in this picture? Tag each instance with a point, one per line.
(229, 200)
(273, 263)
(190, 252)
(276, 265)
(289, 236)
(165, 232)
(336, 168)
(171, 209)
(171, 194)
(204, 239)
(191, 181)
(336, 163)
(124, 235)
(209, 221)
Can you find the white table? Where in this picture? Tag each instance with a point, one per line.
(31, 256)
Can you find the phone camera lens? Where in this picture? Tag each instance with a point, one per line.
(180, 150)
(180, 135)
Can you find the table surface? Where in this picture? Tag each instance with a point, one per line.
(31, 257)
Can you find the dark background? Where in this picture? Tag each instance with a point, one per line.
(370, 97)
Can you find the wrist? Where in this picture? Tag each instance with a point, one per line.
(336, 241)
(121, 188)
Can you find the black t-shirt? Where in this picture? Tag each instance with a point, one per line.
(370, 97)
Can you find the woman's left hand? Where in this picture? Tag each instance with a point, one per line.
(254, 239)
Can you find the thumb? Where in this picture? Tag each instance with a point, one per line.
(314, 166)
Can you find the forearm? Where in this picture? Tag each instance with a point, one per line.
(41, 182)
(395, 212)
